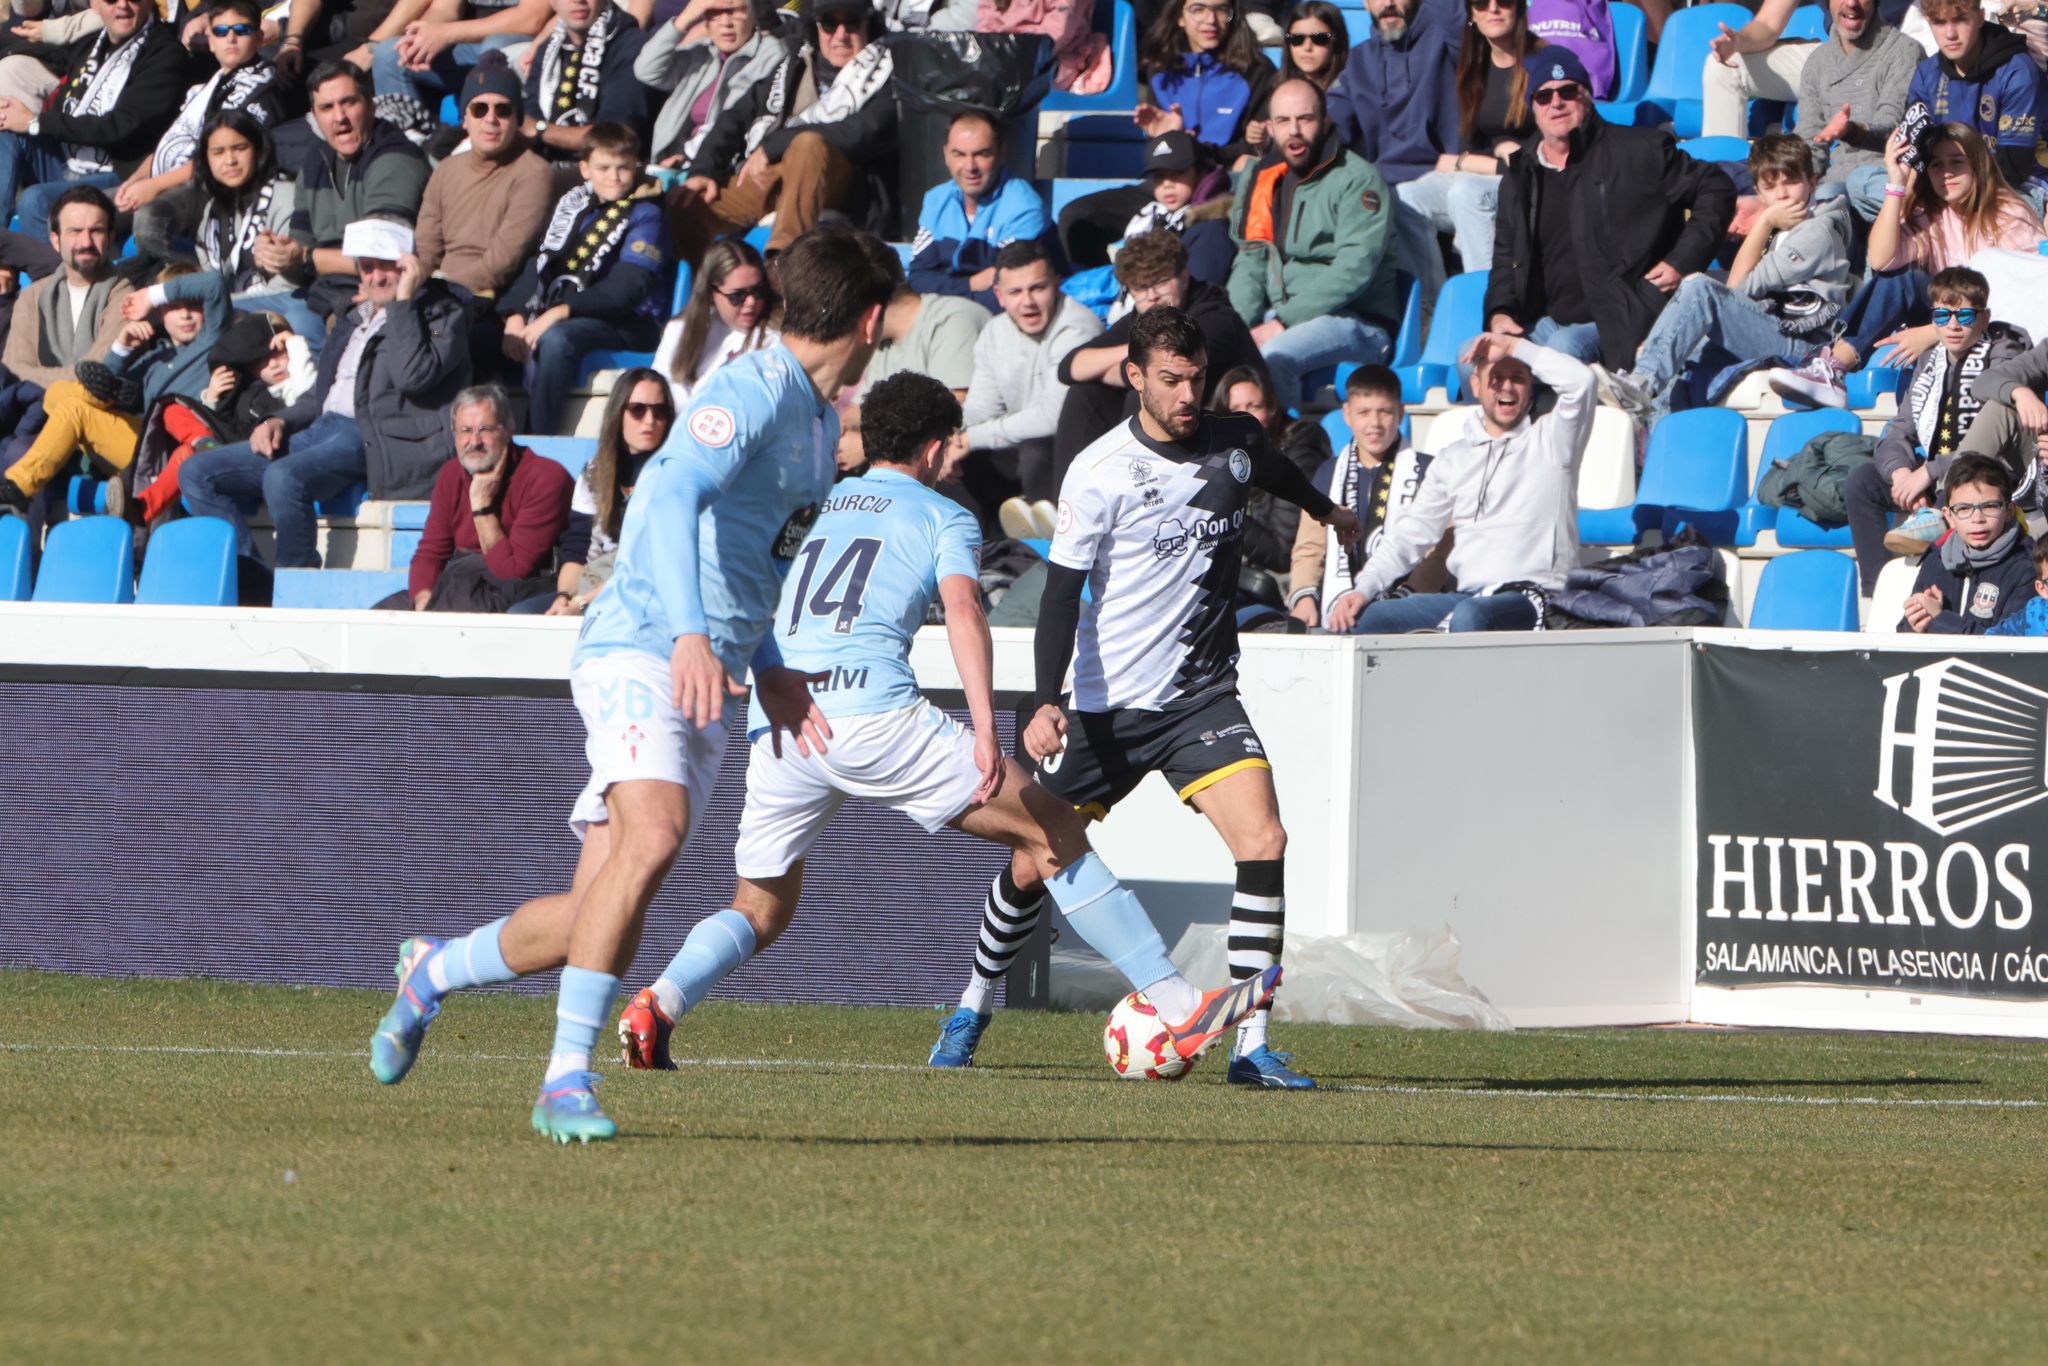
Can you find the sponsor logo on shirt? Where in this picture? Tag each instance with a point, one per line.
(790, 539)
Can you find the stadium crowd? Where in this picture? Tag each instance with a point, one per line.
(327, 285)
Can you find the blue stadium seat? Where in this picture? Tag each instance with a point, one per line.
(904, 252)
(1123, 81)
(1631, 52)
(1067, 189)
(1672, 94)
(408, 520)
(1809, 590)
(14, 581)
(1694, 473)
(451, 112)
(1105, 146)
(335, 588)
(189, 563)
(345, 504)
(1460, 316)
(83, 496)
(88, 559)
(1716, 149)
(1787, 437)
(571, 452)
(1809, 23)
(1876, 379)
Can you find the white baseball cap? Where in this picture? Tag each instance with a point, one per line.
(378, 239)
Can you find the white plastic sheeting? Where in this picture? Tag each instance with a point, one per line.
(1407, 978)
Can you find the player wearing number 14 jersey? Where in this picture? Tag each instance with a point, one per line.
(1150, 519)
(883, 547)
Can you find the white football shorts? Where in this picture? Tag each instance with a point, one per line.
(633, 730)
(916, 760)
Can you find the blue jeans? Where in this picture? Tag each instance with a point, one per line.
(324, 461)
(1460, 203)
(1467, 611)
(1580, 341)
(551, 371)
(1889, 301)
(32, 175)
(1703, 316)
(1327, 340)
(298, 314)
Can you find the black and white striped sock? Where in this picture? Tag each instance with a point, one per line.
(1007, 920)
(1258, 924)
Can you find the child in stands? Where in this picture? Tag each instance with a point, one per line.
(1983, 570)
(2031, 620)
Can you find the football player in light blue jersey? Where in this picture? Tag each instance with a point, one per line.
(712, 523)
(883, 547)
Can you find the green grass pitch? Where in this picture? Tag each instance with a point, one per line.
(207, 1173)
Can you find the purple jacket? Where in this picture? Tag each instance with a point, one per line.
(1585, 27)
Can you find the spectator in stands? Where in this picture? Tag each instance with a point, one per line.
(421, 52)
(970, 217)
(485, 209)
(713, 53)
(806, 138)
(1460, 194)
(733, 309)
(161, 351)
(1950, 388)
(2012, 424)
(1153, 270)
(2031, 620)
(1751, 63)
(1013, 401)
(580, 75)
(362, 168)
(1930, 221)
(1587, 28)
(1191, 198)
(1598, 223)
(1202, 71)
(161, 193)
(931, 334)
(1318, 41)
(1084, 63)
(600, 278)
(1270, 523)
(497, 511)
(1981, 77)
(67, 317)
(1314, 278)
(243, 198)
(1852, 90)
(376, 416)
(1508, 482)
(121, 88)
(1984, 569)
(637, 420)
(1396, 107)
(1787, 287)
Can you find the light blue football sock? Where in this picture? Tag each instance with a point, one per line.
(716, 946)
(582, 1009)
(1108, 915)
(475, 960)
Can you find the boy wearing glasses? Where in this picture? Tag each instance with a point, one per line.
(598, 279)
(1948, 395)
(1983, 570)
(1784, 292)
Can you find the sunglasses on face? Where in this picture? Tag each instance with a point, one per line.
(233, 30)
(1508, 5)
(1308, 40)
(490, 109)
(837, 23)
(1965, 316)
(1567, 92)
(646, 412)
(740, 296)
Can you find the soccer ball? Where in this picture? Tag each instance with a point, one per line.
(1137, 1044)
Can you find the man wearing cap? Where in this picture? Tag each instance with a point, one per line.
(968, 219)
(1598, 223)
(580, 74)
(817, 133)
(375, 415)
(1314, 279)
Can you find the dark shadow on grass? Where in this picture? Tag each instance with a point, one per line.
(1109, 1140)
(1639, 1083)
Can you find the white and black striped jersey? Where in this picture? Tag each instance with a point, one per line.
(1157, 527)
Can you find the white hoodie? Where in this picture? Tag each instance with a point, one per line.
(1513, 498)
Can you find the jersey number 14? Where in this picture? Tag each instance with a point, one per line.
(847, 577)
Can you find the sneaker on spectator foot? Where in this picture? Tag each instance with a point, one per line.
(120, 503)
(1045, 515)
(1626, 390)
(1016, 519)
(1818, 380)
(1916, 533)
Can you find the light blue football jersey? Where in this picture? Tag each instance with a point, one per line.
(860, 586)
(717, 513)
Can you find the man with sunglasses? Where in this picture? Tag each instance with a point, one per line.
(1598, 223)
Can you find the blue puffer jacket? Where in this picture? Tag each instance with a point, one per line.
(1396, 104)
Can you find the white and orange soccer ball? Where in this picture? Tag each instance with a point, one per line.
(1137, 1044)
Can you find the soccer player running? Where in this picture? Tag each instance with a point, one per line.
(714, 518)
(883, 547)
(1150, 519)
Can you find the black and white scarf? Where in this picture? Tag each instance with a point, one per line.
(226, 90)
(1930, 382)
(228, 247)
(564, 269)
(569, 75)
(95, 90)
(859, 81)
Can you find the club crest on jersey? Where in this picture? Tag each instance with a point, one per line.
(1141, 473)
(1240, 467)
(790, 539)
(1065, 521)
(714, 426)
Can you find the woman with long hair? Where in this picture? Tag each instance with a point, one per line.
(1270, 523)
(636, 422)
(1317, 41)
(1202, 71)
(733, 309)
(248, 205)
(1956, 204)
(1461, 195)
